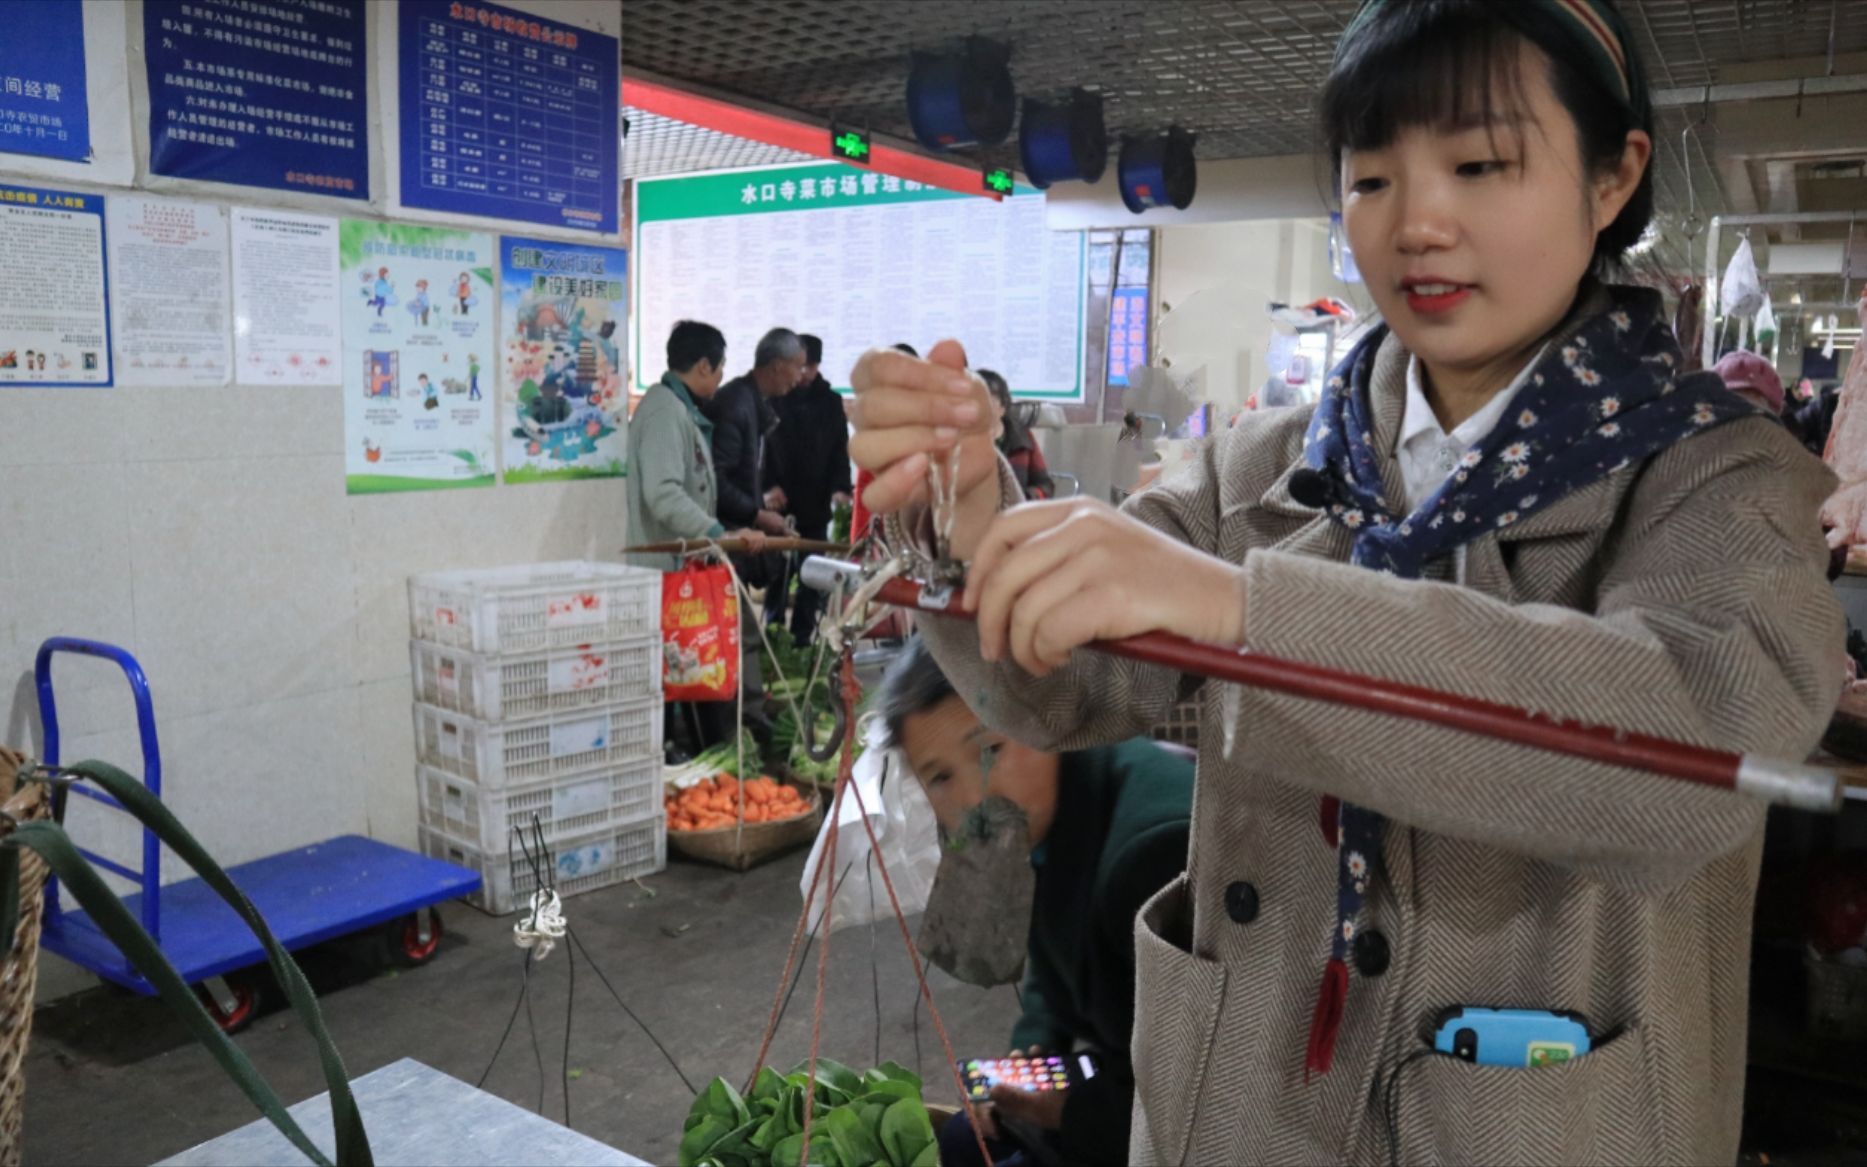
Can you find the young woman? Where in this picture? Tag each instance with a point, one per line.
(1521, 499)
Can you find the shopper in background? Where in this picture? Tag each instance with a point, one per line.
(742, 421)
(1617, 544)
(807, 466)
(1017, 443)
(1108, 830)
(671, 486)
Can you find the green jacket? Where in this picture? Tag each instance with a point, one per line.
(672, 492)
(1120, 836)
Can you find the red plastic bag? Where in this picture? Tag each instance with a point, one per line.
(699, 635)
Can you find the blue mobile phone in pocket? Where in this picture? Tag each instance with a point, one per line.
(1525, 1038)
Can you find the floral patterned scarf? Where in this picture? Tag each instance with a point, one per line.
(1608, 396)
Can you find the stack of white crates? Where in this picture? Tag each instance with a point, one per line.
(538, 697)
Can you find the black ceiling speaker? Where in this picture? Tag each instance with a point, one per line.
(963, 97)
(1063, 143)
(1158, 171)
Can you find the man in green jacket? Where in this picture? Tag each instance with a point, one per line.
(1108, 830)
(672, 490)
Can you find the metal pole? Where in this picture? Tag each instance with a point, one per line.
(1708, 308)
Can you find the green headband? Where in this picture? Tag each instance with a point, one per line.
(1598, 29)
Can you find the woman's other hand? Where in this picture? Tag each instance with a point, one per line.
(1048, 577)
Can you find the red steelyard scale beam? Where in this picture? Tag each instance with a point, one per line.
(1788, 783)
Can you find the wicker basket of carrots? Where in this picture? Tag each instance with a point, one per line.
(736, 824)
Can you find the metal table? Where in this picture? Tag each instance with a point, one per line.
(417, 1116)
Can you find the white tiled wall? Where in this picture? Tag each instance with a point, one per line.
(208, 532)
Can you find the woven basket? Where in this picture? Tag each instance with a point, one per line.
(19, 967)
(742, 847)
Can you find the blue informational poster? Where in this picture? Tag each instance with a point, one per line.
(508, 116)
(54, 288)
(269, 93)
(43, 106)
(1127, 332)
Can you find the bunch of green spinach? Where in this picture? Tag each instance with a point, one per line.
(874, 1119)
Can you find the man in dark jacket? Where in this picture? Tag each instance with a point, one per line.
(1108, 830)
(742, 420)
(807, 475)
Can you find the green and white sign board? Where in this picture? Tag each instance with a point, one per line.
(859, 259)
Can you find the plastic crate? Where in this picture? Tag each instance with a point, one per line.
(563, 806)
(536, 606)
(504, 688)
(579, 863)
(502, 755)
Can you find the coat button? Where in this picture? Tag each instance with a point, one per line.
(1241, 902)
(1372, 954)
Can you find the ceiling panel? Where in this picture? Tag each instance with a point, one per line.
(661, 145)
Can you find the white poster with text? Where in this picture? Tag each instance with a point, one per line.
(168, 286)
(286, 325)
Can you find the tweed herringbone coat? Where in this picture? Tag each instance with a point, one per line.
(1684, 596)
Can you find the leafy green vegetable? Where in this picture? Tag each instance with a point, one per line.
(906, 1130)
(700, 1138)
(853, 1142)
(870, 1119)
(768, 1085)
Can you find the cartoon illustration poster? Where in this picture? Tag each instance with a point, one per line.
(565, 387)
(418, 335)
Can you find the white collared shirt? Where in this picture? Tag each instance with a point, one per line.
(1426, 453)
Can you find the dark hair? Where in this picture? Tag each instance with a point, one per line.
(693, 341)
(997, 385)
(1446, 62)
(813, 348)
(907, 348)
(914, 684)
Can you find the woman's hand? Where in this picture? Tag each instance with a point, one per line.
(1048, 577)
(908, 410)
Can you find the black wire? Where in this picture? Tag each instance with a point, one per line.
(803, 961)
(598, 970)
(524, 984)
(538, 1053)
(570, 1001)
(1392, 1101)
(918, 1063)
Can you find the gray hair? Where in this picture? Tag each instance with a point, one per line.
(780, 344)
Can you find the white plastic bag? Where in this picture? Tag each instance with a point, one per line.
(905, 830)
(1741, 294)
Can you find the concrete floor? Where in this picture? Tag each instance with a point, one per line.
(112, 1078)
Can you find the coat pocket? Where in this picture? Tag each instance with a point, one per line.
(1598, 1108)
(1178, 998)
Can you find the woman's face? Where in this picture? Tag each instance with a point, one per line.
(1473, 241)
(958, 761)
